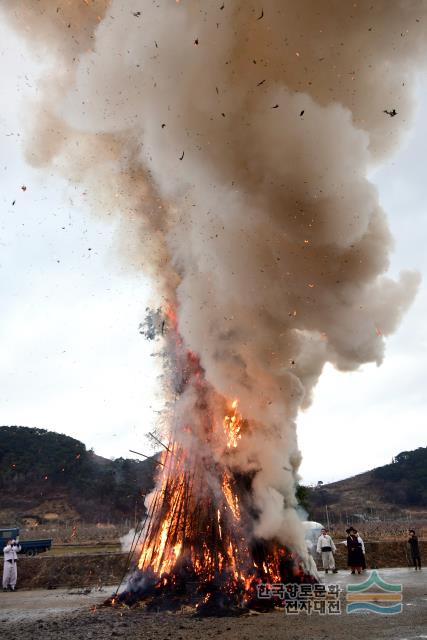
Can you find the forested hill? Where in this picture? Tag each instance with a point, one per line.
(406, 476)
(399, 486)
(43, 471)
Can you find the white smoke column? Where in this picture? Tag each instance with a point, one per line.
(237, 137)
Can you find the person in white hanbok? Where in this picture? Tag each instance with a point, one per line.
(10, 569)
(326, 547)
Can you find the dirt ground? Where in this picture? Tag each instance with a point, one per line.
(48, 615)
(38, 605)
(72, 570)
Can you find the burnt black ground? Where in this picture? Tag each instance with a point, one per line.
(137, 624)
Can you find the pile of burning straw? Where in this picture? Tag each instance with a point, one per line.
(196, 545)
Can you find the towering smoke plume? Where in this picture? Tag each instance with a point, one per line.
(234, 139)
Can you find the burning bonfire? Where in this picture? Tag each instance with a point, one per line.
(197, 545)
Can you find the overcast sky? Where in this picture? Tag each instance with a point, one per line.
(71, 356)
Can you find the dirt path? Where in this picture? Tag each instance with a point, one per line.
(41, 604)
(50, 615)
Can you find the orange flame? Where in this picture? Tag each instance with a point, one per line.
(232, 425)
(232, 499)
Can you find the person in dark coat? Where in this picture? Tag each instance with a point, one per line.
(355, 556)
(362, 544)
(415, 549)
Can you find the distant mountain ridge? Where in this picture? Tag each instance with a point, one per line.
(47, 475)
(397, 488)
(44, 474)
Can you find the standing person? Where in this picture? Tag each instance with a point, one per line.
(355, 551)
(362, 544)
(415, 549)
(325, 546)
(10, 570)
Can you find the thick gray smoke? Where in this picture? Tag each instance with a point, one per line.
(234, 138)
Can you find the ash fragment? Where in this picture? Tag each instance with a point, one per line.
(154, 324)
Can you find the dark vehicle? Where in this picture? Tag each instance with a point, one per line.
(29, 547)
